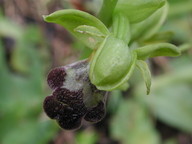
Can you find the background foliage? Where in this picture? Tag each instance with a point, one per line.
(29, 48)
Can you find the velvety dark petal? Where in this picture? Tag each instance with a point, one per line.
(56, 77)
(96, 114)
(71, 118)
(52, 107)
(71, 98)
(70, 123)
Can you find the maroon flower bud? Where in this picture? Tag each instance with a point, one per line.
(74, 97)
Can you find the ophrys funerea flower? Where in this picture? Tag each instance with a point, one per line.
(74, 98)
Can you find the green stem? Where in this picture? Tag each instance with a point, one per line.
(106, 12)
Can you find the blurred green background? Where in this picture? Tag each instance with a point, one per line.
(29, 48)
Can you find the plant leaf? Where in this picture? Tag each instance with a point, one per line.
(71, 19)
(88, 136)
(173, 105)
(138, 10)
(157, 49)
(170, 98)
(131, 124)
(143, 67)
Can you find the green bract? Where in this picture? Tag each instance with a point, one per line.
(143, 67)
(147, 28)
(157, 49)
(138, 10)
(91, 35)
(112, 64)
(71, 19)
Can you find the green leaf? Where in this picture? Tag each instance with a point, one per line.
(9, 28)
(26, 133)
(143, 67)
(173, 105)
(112, 64)
(147, 28)
(138, 10)
(71, 19)
(91, 35)
(132, 124)
(20, 107)
(170, 99)
(89, 136)
(159, 49)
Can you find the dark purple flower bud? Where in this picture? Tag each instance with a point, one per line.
(74, 97)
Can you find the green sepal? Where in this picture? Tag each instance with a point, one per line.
(147, 28)
(144, 69)
(112, 64)
(157, 49)
(160, 37)
(121, 27)
(106, 11)
(91, 35)
(71, 19)
(138, 10)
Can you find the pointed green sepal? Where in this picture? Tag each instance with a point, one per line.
(144, 69)
(138, 10)
(157, 49)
